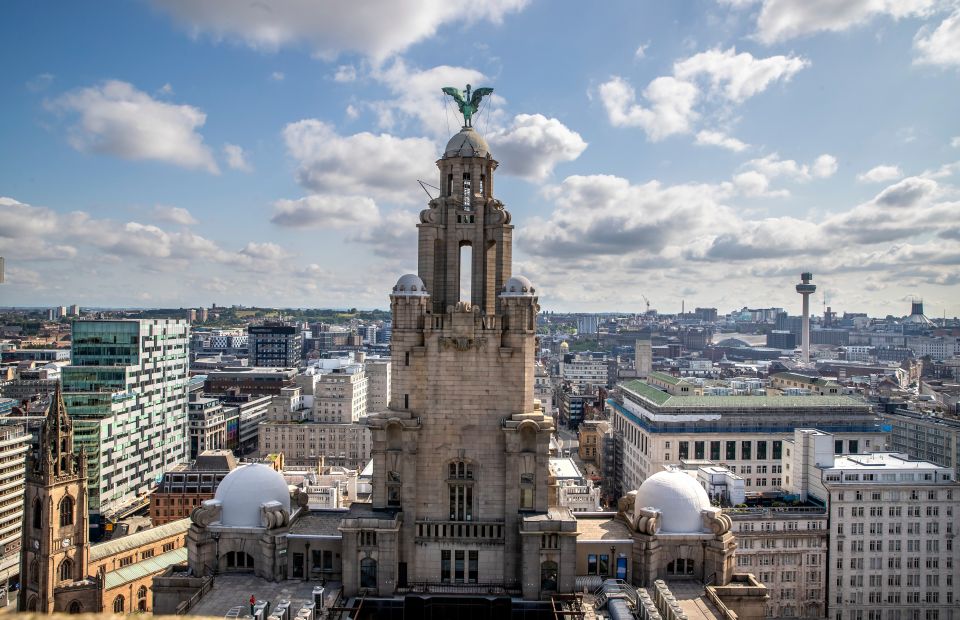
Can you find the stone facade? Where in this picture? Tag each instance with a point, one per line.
(460, 457)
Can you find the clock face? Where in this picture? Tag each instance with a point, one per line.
(36, 543)
(66, 542)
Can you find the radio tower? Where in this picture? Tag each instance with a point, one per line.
(806, 289)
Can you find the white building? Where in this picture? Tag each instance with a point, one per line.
(340, 390)
(892, 528)
(14, 445)
(573, 490)
(378, 383)
(585, 370)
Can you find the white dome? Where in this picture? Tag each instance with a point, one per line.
(518, 286)
(678, 497)
(245, 489)
(410, 285)
(467, 143)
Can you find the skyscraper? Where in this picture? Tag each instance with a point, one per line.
(126, 392)
(275, 344)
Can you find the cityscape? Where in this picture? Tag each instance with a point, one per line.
(648, 313)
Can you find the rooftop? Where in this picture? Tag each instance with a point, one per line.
(882, 460)
(602, 529)
(143, 537)
(662, 399)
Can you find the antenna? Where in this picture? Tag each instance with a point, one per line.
(424, 185)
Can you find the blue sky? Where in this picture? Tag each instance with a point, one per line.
(180, 152)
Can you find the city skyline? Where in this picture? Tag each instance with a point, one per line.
(654, 151)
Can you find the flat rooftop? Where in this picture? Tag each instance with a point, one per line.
(882, 460)
(650, 395)
(601, 529)
(231, 591)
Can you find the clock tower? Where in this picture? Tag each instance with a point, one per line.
(55, 542)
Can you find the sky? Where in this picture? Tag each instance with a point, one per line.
(177, 153)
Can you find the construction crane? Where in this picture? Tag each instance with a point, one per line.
(647, 301)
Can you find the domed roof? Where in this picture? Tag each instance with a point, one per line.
(518, 286)
(467, 143)
(410, 285)
(245, 489)
(678, 497)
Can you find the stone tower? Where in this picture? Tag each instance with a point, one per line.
(55, 545)
(460, 458)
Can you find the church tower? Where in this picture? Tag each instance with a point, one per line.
(55, 545)
(460, 458)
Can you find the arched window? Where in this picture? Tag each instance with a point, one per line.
(368, 573)
(118, 605)
(32, 603)
(238, 560)
(66, 511)
(37, 513)
(680, 567)
(548, 576)
(75, 607)
(65, 570)
(142, 598)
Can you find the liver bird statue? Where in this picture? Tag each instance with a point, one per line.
(468, 104)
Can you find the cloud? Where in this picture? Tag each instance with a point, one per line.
(738, 77)
(670, 102)
(754, 184)
(641, 51)
(174, 215)
(772, 167)
(381, 29)
(533, 145)
(264, 251)
(40, 82)
(325, 211)
(955, 142)
(880, 174)
(237, 157)
(383, 167)
(117, 119)
(19, 220)
(669, 108)
(278, 76)
(942, 45)
(780, 20)
(393, 236)
(166, 89)
(718, 138)
(906, 193)
(345, 73)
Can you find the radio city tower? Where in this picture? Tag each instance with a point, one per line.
(806, 289)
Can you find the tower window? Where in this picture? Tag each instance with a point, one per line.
(37, 513)
(65, 570)
(66, 511)
(467, 193)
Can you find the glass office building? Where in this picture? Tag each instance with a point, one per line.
(126, 391)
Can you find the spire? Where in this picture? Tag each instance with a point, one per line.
(56, 437)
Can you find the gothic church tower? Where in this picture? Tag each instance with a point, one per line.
(460, 473)
(55, 544)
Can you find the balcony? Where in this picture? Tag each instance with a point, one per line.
(475, 531)
(449, 587)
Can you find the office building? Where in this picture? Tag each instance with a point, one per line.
(667, 420)
(275, 344)
(14, 446)
(892, 526)
(260, 381)
(208, 425)
(378, 383)
(926, 436)
(126, 392)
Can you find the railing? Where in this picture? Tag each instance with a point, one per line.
(438, 587)
(769, 510)
(185, 606)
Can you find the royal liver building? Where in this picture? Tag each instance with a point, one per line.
(460, 483)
